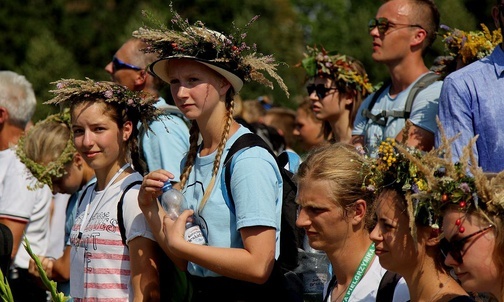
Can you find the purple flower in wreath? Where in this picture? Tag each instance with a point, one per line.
(465, 187)
(108, 94)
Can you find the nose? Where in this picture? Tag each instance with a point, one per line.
(374, 32)
(108, 68)
(375, 234)
(302, 219)
(87, 138)
(449, 261)
(182, 92)
(313, 97)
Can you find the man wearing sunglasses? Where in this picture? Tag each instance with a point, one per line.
(401, 33)
(471, 103)
(169, 142)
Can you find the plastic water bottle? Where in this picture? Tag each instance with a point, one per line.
(171, 201)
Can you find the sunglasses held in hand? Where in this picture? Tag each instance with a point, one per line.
(320, 90)
(384, 25)
(455, 248)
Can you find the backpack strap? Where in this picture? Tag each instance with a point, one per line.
(120, 217)
(382, 117)
(247, 140)
(377, 119)
(424, 82)
(387, 286)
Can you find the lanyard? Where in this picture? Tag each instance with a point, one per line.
(360, 271)
(86, 218)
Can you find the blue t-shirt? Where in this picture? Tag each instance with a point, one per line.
(472, 104)
(167, 144)
(256, 186)
(423, 114)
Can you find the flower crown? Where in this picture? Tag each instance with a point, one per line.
(431, 181)
(407, 171)
(230, 52)
(472, 45)
(54, 169)
(466, 185)
(69, 91)
(336, 66)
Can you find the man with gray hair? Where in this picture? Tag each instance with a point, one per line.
(23, 208)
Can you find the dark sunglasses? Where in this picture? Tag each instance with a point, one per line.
(319, 89)
(118, 65)
(384, 25)
(455, 248)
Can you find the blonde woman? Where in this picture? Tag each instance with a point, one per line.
(237, 262)
(47, 150)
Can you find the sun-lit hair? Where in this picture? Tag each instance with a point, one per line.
(341, 166)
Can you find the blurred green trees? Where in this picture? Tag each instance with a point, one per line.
(47, 40)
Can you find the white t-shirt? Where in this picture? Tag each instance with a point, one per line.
(100, 263)
(21, 204)
(367, 288)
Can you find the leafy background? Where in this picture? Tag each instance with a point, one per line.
(47, 40)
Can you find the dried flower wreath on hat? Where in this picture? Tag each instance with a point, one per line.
(228, 55)
(55, 168)
(69, 91)
(336, 66)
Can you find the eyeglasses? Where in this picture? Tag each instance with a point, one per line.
(384, 25)
(455, 248)
(118, 65)
(319, 89)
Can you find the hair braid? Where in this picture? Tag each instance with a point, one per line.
(220, 150)
(193, 149)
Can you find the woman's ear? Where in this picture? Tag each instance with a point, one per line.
(224, 87)
(432, 236)
(127, 130)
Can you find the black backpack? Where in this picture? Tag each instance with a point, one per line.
(291, 237)
(382, 117)
(174, 284)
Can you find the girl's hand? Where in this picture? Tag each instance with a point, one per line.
(174, 231)
(151, 187)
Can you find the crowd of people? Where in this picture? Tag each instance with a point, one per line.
(399, 188)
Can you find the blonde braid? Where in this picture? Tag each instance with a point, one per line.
(193, 149)
(220, 150)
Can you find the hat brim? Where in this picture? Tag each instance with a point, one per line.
(160, 69)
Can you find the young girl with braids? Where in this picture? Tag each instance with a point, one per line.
(104, 116)
(48, 151)
(242, 240)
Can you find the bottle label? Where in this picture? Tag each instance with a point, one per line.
(194, 235)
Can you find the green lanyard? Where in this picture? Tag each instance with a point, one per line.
(360, 271)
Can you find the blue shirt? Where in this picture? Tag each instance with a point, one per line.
(167, 143)
(472, 103)
(256, 186)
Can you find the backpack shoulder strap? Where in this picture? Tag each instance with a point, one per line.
(367, 111)
(245, 141)
(422, 83)
(387, 286)
(120, 217)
